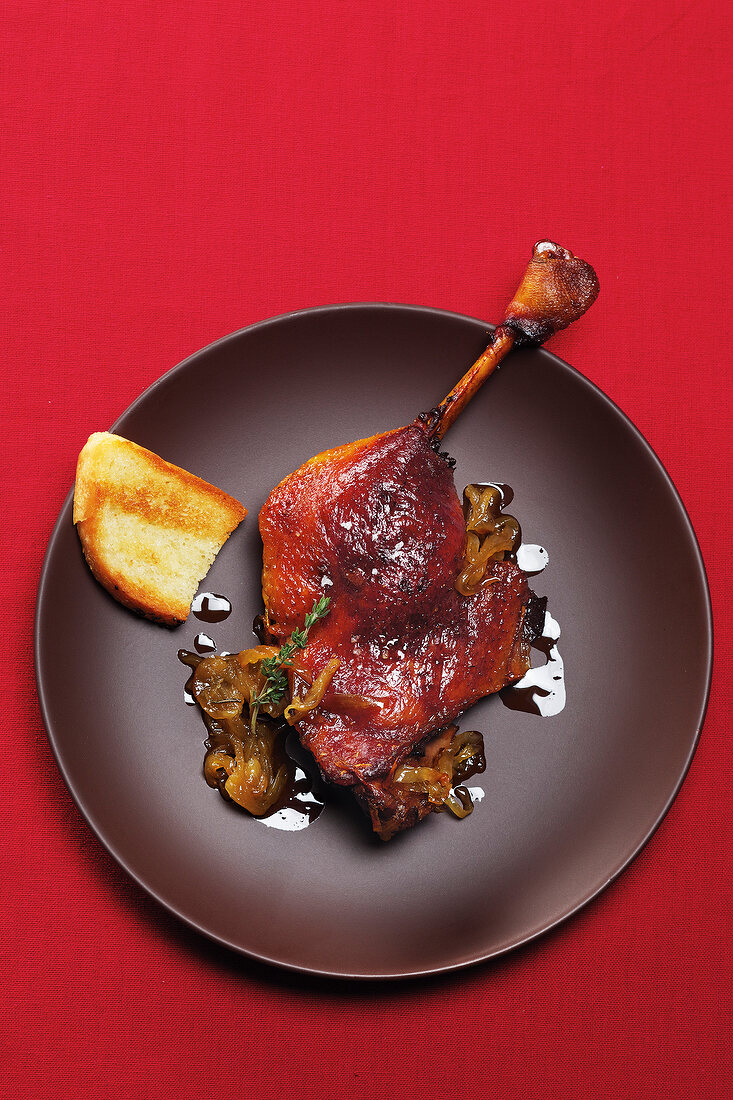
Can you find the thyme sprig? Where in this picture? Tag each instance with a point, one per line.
(273, 668)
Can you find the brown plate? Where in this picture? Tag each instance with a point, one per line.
(568, 800)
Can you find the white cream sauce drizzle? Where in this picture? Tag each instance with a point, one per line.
(545, 686)
(532, 558)
(288, 820)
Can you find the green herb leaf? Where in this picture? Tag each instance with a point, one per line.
(273, 668)
(319, 611)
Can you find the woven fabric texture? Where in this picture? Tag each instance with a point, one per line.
(175, 171)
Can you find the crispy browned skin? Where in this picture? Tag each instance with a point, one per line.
(393, 807)
(377, 525)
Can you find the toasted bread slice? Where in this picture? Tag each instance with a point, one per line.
(149, 530)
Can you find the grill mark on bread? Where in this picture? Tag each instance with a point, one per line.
(166, 510)
(149, 530)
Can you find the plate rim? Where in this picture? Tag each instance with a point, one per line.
(341, 975)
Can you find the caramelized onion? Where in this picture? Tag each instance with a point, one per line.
(466, 755)
(258, 653)
(490, 535)
(313, 696)
(481, 506)
(218, 688)
(432, 782)
(248, 768)
(252, 780)
(216, 761)
(222, 685)
(246, 765)
(459, 802)
(245, 759)
(463, 757)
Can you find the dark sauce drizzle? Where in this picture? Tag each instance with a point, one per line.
(525, 698)
(209, 607)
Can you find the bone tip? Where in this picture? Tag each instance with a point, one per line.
(548, 250)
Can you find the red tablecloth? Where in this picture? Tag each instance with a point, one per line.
(175, 171)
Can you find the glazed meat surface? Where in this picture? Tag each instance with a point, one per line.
(419, 623)
(377, 525)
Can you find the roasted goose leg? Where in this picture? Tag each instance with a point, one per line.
(377, 525)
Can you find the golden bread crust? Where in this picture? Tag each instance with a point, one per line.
(149, 530)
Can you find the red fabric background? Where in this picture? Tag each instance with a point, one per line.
(174, 171)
